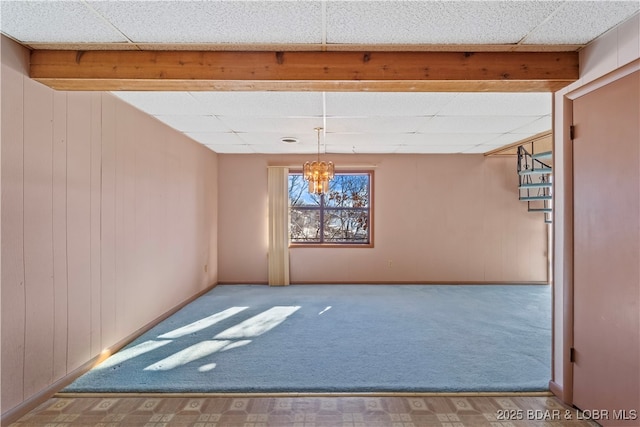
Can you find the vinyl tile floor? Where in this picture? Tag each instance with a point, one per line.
(302, 411)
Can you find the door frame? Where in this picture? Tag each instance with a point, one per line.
(565, 392)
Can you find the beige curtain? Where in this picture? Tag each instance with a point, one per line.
(278, 183)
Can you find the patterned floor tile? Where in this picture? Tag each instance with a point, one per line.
(310, 411)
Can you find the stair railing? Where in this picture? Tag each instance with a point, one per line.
(530, 166)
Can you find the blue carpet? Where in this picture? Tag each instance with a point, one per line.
(341, 338)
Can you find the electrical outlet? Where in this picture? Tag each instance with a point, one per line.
(389, 263)
(206, 268)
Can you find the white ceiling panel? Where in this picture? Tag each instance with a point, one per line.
(163, 103)
(359, 149)
(283, 126)
(216, 138)
(542, 124)
(474, 124)
(55, 22)
(431, 22)
(307, 142)
(432, 149)
(194, 123)
(372, 139)
(382, 124)
(268, 148)
(577, 22)
(498, 104)
(434, 139)
(482, 148)
(215, 21)
(264, 104)
(505, 139)
(231, 149)
(365, 104)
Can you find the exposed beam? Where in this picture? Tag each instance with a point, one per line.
(300, 71)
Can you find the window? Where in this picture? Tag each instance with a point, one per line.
(342, 216)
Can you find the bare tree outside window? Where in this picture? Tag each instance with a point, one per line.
(342, 216)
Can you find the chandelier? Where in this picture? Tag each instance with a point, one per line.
(318, 173)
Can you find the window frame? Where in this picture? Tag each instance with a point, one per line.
(322, 208)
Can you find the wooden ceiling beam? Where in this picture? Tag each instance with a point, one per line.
(305, 71)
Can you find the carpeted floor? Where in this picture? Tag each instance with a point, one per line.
(341, 338)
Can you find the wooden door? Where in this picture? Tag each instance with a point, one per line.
(606, 372)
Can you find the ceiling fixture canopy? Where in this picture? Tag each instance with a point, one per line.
(318, 173)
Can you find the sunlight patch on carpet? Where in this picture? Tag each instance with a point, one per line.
(188, 355)
(130, 353)
(258, 325)
(202, 323)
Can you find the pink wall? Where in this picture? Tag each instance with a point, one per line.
(437, 218)
(108, 220)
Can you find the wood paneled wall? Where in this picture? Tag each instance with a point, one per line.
(437, 218)
(108, 221)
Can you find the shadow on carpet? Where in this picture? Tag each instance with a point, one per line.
(341, 338)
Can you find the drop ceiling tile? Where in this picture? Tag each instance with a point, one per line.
(482, 148)
(360, 149)
(231, 149)
(382, 124)
(579, 22)
(280, 148)
(432, 149)
(282, 126)
(216, 138)
(55, 22)
(474, 124)
(306, 143)
(430, 22)
(367, 104)
(506, 139)
(262, 104)
(194, 123)
(499, 104)
(361, 139)
(541, 124)
(442, 139)
(215, 21)
(163, 103)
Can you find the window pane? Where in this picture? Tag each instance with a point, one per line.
(349, 191)
(299, 192)
(346, 225)
(304, 225)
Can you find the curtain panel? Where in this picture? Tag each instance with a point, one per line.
(278, 184)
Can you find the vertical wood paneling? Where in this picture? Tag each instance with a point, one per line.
(173, 223)
(119, 211)
(96, 159)
(38, 237)
(108, 218)
(60, 233)
(79, 227)
(13, 292)
(147, 222)
(89, 193)
(127, 306)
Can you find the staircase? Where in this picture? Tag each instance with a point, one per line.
(535, 181)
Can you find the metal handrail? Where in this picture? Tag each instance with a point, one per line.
(527, 162)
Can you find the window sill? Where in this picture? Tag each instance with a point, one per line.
(331, 245)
